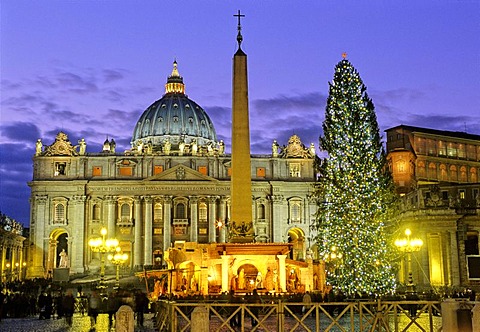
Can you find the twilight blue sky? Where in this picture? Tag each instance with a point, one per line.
(90, 68)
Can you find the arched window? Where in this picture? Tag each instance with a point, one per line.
(432, 171)
(202, 212)
(261, 211)
(443, 172)
(180, 211)
(453, 173)
(96, 212)
(158, 212)
(473, 175)
(59, 217)
(463, 174)
(421, 169)
(295, 211)
(125, 213)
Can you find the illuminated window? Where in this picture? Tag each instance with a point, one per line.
(157, 169)
(261, 172)
(443, 173)
(463, 174)
(461, 194)
(432, 170)
(158, 212)
(453, 173)
(295, 170)
(202, 212)
(295, 211)
(125, 213)
(421, 169)
(96, 171)
(60, 168)
(451, 150)
(473, 174)
(229, 171)
(59, 217)
(203, 170)
(442, 148)
(401, 166)
(157, 231)
(461, 151)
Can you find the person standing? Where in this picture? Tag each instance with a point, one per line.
(94, 302)
(68, 304)
(254, 299)
(141, 304)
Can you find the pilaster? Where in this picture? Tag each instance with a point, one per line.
(138, 230)
(148, 254)
(167, 222)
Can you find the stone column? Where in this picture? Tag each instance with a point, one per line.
(76, 239)
(222, 216)
(455, 265)
(277, 206)
(110, 201)
(148, 254)
(193, 218)
(137, 245)
(39, 210)
(212, 213)
(225, 278)
(167, 222)
(282, 273)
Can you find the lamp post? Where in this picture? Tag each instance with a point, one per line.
(103, 246)
(408, 246)
(118, 259)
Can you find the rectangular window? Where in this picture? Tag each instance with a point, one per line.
(261, 172)
(60, 168)
(157, 231)
(229, 171)
(96, 171)
(126, 171)
(295, 170)
(203, 170)
(461, 193)
(157, 169)
(202, 231)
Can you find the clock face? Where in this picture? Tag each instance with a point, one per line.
(62, 148)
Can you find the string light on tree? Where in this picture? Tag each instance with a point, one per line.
(354, 191)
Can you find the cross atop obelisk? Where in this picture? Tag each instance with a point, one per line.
(239, 27)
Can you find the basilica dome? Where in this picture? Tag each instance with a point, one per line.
(175, 119)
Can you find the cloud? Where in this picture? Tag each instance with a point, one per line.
(112, 75)
(20, 132)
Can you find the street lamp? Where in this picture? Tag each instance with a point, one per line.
(408, 246)
(103, 246)
(118, 259)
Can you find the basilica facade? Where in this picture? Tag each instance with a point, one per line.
(172, 187)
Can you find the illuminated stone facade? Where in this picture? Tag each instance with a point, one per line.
(436, 172)
(172, 187)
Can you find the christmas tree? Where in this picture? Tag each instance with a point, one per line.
(355, 192)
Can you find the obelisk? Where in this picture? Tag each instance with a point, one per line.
(241, 224)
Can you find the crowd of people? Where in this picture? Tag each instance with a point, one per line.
(48, 300)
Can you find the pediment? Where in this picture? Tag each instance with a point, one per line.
(180, 173)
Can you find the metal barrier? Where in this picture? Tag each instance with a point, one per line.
(284, 316)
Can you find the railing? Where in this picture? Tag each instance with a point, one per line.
(284, 316)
